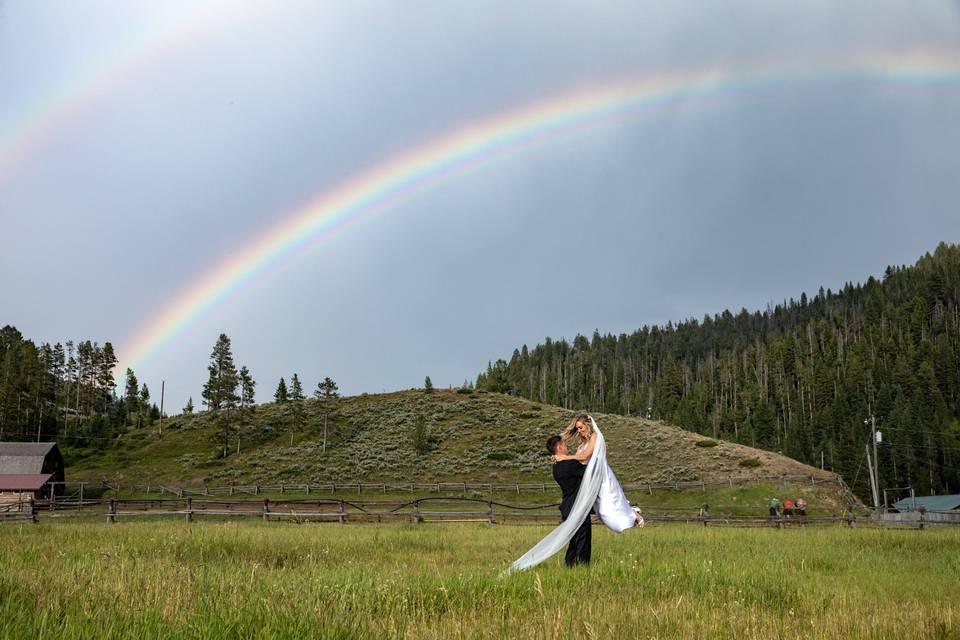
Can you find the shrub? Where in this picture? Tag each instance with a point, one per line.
(464, 390)
(706, 443)
(750, 463)
(500, 455)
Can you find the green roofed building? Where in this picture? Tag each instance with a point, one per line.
(929, 503)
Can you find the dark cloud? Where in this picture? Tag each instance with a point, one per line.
(735, 200)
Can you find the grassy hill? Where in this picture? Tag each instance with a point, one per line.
(475, 436)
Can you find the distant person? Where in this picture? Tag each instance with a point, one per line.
(787, 508)
(801, 507)
(774, 505)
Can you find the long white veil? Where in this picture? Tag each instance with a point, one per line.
(586, 496)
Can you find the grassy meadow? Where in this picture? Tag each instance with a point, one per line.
(205, 580)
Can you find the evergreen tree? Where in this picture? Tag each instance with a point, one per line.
(428, 385)
(280, 395)
(247, 388)
(60, 391)
(326, 394)
(247, 400)
(220, 391)
(188, 409)
(131, 395)
(144, 404)
(420, 435)
(296, 405)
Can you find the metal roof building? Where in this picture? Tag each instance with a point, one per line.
(28, 466)
(929, 503)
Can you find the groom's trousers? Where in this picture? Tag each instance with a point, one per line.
(578, 551)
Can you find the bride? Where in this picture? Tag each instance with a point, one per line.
(612, 505)
(599, 488)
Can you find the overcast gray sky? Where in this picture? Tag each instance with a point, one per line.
(159, 156)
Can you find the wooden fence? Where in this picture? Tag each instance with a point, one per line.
(420, 510)
(77, 488)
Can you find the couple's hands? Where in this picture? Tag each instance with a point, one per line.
(555, 458)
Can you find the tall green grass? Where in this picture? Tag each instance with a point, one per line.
(212, 580)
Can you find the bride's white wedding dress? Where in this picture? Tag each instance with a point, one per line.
(599, 489)
(612, 505)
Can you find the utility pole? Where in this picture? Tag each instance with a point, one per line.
(875, 474)
(873, 479)
(163, 384)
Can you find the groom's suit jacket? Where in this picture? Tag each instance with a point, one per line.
(568, 474)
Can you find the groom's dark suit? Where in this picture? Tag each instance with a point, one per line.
(569, 474)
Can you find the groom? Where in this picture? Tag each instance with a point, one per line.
(569, 474)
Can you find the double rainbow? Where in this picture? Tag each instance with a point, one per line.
(478, 143)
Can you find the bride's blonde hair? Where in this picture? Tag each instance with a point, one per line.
(571, 437)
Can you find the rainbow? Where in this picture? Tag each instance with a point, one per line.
(37, 122)
(443, 158)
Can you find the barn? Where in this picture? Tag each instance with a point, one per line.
(29, 468)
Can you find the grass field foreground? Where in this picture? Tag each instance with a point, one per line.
(205, 580)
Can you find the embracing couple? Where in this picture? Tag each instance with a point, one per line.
(587, 483)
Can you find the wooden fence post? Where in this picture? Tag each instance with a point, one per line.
(416, 512)
(266, 509)
(33, 510)
(490, 512)
(189, 516)
(111, 512)
(342, 516)
(922, 512)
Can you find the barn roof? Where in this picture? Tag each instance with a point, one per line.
(24, 457)
(23, 481)
(930, 503)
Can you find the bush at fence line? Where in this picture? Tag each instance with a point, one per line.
(706, 443)
(750, 463)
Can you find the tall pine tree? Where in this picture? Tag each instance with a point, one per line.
(220, 391)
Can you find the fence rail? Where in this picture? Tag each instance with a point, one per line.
(420, 487)
(419, 510)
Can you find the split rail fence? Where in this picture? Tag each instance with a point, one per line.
(78, 488)
(421, 510)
